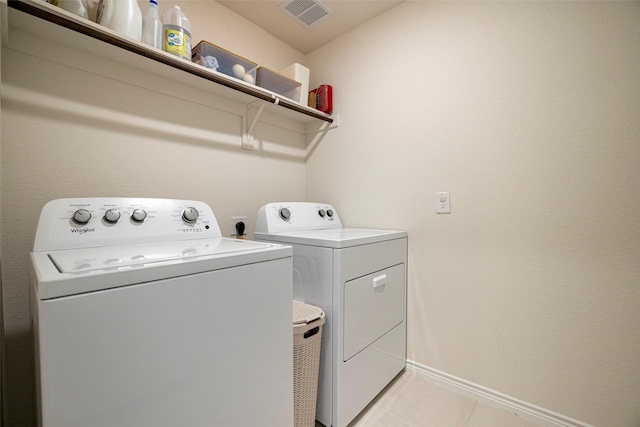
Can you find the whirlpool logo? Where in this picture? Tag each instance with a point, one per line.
(83, 230)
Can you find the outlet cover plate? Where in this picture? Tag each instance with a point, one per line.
(443, 202)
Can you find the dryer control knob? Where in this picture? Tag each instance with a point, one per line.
(329, 213)
(81, 216)
(190, 215)
(111, 216)
(322, 213)
(138, 215)
(285, 213)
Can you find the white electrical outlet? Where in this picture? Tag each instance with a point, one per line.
(443, 202)
(234, 221)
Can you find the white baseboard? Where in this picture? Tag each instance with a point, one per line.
(525, 410)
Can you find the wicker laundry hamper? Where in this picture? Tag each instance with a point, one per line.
(307, 334)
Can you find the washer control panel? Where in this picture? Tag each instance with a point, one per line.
(91, 222)
(296, 216)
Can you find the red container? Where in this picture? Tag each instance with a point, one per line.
(323, 96)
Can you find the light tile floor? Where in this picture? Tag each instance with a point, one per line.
(413, 401)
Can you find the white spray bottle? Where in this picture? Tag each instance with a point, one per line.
(151, 26)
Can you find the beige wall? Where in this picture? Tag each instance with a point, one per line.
(527, 112)
(77, 125)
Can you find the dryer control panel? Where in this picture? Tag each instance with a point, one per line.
(296, 216)
(95, 222)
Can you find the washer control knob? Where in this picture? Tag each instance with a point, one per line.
(322, 213)
(285, 214)
(138, 215)
(190, 215)
(111, 216)
(81, 216)
(329, 213)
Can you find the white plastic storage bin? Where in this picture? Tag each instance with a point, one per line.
(216, 58)
(270, 80)
(307, 336)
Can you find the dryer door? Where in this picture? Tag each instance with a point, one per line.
(373, 305)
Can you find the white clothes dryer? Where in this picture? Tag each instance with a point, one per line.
(358, 277)
(145, 316)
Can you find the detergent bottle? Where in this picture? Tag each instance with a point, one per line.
(79, 7)
(176, 33)
(122, 16)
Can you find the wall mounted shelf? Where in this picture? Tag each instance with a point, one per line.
(92, 38)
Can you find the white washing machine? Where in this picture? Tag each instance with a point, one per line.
(358, 277)
(145, 316)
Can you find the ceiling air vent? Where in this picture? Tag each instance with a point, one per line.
(306, 12)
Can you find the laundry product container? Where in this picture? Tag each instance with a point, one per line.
(299, 73)
(307, 337)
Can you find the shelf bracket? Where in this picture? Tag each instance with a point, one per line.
(326, 126)
(249, 121)
(314, 137)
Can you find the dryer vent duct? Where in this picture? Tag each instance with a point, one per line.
(306, 12)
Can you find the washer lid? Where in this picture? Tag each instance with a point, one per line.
(77, 271)
(113, 257)
(334, 237)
